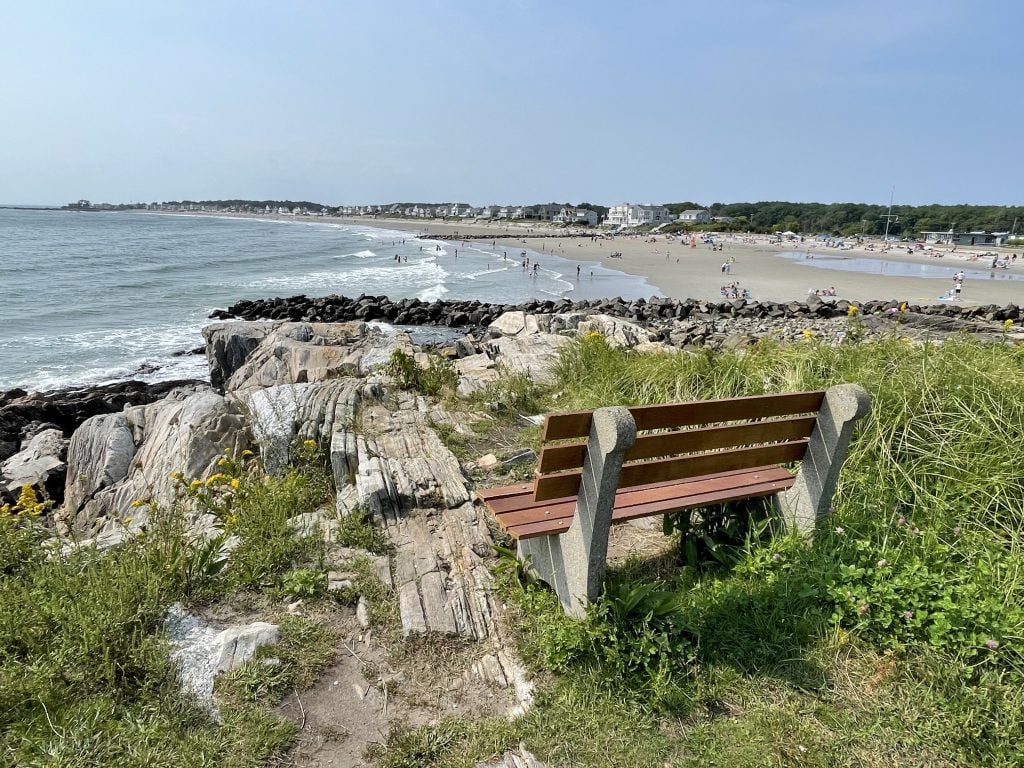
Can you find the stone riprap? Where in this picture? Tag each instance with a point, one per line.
(476, 314)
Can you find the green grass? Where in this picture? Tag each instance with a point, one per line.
(894, 640)
(85, 678)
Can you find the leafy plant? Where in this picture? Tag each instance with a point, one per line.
(439, 375)
(305, 582)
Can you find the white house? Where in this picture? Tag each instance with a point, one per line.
(696, 216)
(578, 216)
(633, 215)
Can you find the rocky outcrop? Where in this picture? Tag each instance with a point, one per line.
(117, 458)
(40, 463)
(401, 462)
(324, 412)
(295, 353)
(22, 413)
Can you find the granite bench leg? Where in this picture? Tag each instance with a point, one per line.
(806, 504)
(574, 562)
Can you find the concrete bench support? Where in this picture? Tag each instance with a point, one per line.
(806, 504)
(573, 563)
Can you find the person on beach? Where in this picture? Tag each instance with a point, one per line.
(577, 271)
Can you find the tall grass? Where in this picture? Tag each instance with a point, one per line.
(922, 558)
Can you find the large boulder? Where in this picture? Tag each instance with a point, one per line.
(40, 463)
(532, 354)
(116, 459)
(618, 333)
(228, 346)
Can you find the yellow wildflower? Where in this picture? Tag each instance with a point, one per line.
(808, 333)
(195, 485)
(235, 482)
(903, 307)
(247, 452)
(139, 503)
(309, 445)
(177, 476)
(1007, 323)
(222, 462)
(852, 310)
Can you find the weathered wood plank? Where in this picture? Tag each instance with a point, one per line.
(558, 458)
(568, 483)
(574, 425)
(561, 525)
(646, 494)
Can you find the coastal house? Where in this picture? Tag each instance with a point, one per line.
(583, 217)
(695, 216)
(488, 211)
(506, 211)
(951, 237)
(545, 212)
(634, 215)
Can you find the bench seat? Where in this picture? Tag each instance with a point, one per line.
(514, 508)
(607, 466)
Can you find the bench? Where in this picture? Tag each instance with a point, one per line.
(598, 468)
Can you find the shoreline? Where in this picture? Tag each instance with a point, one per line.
(679, 271)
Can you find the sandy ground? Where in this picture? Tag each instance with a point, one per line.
(681, 271)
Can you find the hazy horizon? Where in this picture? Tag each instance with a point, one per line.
(796, 101)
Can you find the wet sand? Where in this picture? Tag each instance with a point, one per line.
(681, 271)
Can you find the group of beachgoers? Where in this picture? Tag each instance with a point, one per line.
(733, 291)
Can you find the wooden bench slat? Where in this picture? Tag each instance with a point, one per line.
(561, 525)
(570, 426)
(504, 491)
(513, 500)
(521, 515)
(568, 483)
(562, 457)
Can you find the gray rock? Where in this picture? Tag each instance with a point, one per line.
(201, 652)
(40, 463)
(117, 458)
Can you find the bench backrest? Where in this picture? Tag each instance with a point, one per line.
(677, 441)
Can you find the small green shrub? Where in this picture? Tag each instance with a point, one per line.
(438, 377)
(305, 582)
(357, 530)
(258, 508)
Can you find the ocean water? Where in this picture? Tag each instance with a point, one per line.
(87, 298)
(869, 266)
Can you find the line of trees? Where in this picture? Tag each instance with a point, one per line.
(858, 218)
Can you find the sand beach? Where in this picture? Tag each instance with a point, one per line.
(682, 271)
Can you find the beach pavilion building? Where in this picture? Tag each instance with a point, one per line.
(950, 237)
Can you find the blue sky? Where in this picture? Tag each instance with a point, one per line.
(516, 101)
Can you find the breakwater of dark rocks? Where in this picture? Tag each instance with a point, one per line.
(476, 314)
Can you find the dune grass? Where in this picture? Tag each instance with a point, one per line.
(894, 640)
